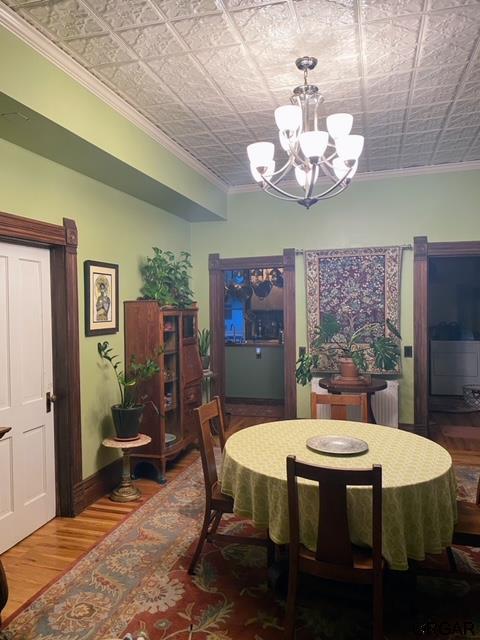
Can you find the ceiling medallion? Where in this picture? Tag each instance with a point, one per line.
(334, 151)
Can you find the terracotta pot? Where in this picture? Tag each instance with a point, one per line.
(348, 369)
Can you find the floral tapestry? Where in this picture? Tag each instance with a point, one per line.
(357, 286)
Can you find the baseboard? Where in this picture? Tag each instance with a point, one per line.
(99, 484)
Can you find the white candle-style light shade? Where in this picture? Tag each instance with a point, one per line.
(288, 117)
(339, 124)
(260, 154)
(303, 177)
(349, 147)
(313, 143)
(257, 176)
(340, 168)
(284, 141)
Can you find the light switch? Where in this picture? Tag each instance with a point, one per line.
(258, 353)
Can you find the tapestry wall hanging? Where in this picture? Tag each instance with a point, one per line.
(358, 287)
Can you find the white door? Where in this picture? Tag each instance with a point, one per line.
(27, 459)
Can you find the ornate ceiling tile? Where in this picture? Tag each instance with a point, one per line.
(182, 8)
(134, 81)
(266, 22)
(205, 31)
(331, 13)
(391, 45)
(62, 19)
(381, 9)
(152, 41)
(125, 13)
(95, 50)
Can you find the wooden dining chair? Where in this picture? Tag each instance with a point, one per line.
(467, 529)
(212, 413)
(216, 502)
(339, 403)
(335, 558)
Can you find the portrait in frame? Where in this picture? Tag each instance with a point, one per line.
(101, 298)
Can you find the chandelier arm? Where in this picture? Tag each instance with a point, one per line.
(278, 190)
(342, 182)
(313, 178)
(274, 195)
(329, 195)
(285, 168)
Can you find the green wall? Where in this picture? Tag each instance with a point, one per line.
(250, 377)
(443, 206)
(112, 227)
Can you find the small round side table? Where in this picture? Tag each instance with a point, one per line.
(126, 490)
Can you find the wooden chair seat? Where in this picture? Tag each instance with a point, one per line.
(221, 500)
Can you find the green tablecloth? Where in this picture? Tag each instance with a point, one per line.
(419, 488)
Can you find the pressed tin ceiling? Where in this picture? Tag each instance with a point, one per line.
(209, 73)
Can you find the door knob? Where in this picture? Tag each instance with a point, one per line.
(51, 397)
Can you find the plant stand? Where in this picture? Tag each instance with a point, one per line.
(126, 490)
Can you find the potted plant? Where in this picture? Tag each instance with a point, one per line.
(204, 347)
(127, 415)
(352, 347)
(167, 279)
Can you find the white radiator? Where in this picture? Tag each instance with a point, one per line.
(384, 405)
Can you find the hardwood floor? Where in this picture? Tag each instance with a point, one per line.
(34, 562)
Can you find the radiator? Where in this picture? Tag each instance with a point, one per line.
(384, 405)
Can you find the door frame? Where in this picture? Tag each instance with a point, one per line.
(422, 251)
(216, 267)
(62, 241)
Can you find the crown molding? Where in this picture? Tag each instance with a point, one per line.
(378, 175)
(37, 41)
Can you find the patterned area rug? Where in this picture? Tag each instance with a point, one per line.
(135, 580)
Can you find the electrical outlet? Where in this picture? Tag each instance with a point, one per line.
(408, 351)
(258, 353)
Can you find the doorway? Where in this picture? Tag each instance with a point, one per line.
(447, 337)
(61, 242)
(252, 322)
(27, 458)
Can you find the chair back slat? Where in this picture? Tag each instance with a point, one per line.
(212, 413)
(205, 441)
(339, 404)
(333, 541)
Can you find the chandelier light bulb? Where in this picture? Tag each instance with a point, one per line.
(260, 154)
(303, 177)
(284, 142)
(313, 143)
(257, 176)
(349, 147)
(288, 117)
(339, 125)
(340, 169)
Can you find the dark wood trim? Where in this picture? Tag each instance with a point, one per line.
(100, 483)
(289, 326)
(217, 266)
(420, 330)
(422, 252)
(62, 240)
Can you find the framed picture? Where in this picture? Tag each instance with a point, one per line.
(101, 298)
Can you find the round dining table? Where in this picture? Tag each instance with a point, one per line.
(418, 485)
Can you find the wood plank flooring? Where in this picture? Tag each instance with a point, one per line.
(34, 562)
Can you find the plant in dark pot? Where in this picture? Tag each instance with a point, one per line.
(167, 278)
(204, 347)
(351, 348)
(127, 415)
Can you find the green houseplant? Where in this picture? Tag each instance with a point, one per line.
(352, 347)
(167, 278)
(204, 347)
(127, 414)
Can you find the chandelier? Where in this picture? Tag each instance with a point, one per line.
(335, 152)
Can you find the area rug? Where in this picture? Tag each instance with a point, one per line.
(135, 580)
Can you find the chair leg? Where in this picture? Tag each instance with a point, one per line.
(201, 539)
(216, 522)
(291, 599)
(377, 609)
(270, 551)
(451, 560)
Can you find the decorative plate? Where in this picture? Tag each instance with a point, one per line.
(169, 438)
(337, 445)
